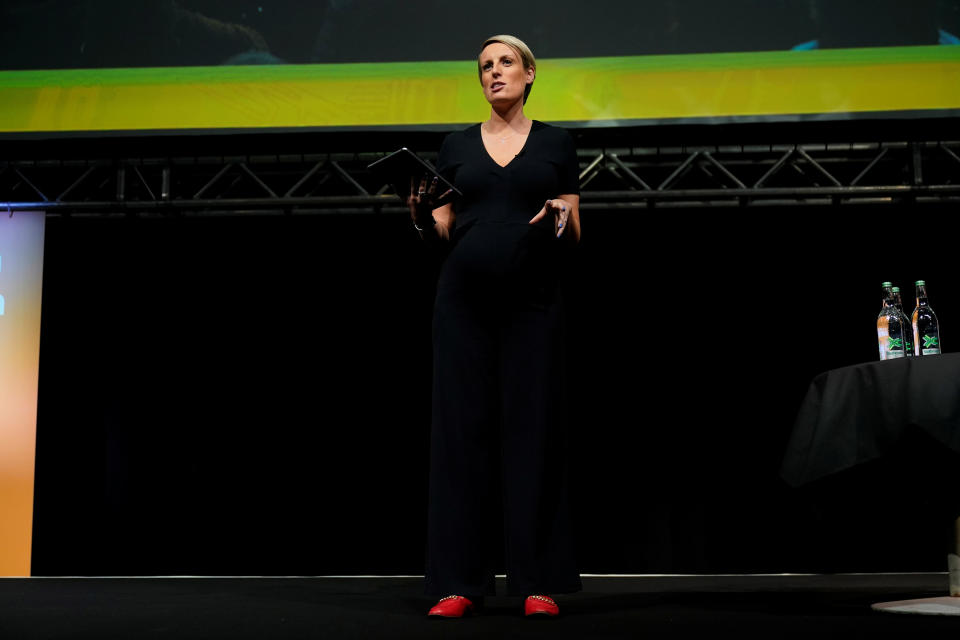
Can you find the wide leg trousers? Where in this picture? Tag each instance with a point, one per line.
(498, 409)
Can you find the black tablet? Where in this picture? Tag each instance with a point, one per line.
(402, 165)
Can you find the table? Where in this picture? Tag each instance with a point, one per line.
(856, 414)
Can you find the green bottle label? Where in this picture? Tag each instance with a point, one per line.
(931, 345)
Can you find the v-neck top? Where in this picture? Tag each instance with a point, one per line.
(545, 168)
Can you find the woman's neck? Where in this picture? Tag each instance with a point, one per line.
(509, 118)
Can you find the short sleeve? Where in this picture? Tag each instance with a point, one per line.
(570, 166)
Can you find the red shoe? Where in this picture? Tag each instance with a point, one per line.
(540, 606)
(451, 607)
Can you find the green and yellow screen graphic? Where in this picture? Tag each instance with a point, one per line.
(599, 91)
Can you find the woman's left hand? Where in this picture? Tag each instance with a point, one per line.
(560, 210)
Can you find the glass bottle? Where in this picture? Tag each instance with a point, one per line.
(890, 328)
(905, 322)
(926, 330)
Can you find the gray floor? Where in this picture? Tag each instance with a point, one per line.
(608, 607)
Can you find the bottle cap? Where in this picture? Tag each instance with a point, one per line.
(886, 284)
(921, 283)
(895, 289)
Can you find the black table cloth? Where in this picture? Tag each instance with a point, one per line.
(856, 414)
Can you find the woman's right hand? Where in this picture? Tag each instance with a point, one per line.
(423, 200)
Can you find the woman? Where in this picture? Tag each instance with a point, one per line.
(498, 391)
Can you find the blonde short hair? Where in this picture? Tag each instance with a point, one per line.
(518, 45)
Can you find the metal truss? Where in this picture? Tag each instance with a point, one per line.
(610, 179)
(774, 175)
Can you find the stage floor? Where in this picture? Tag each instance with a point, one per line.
(329, 607)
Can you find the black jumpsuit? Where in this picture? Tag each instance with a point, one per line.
(498, 390)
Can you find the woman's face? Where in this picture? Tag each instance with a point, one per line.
(502, 74)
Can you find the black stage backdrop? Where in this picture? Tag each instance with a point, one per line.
(249, 395)
(67, 34)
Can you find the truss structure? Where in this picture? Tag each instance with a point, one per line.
(610, 179)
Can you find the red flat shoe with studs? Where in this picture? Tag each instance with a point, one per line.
(451, 607)
(541, 606)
